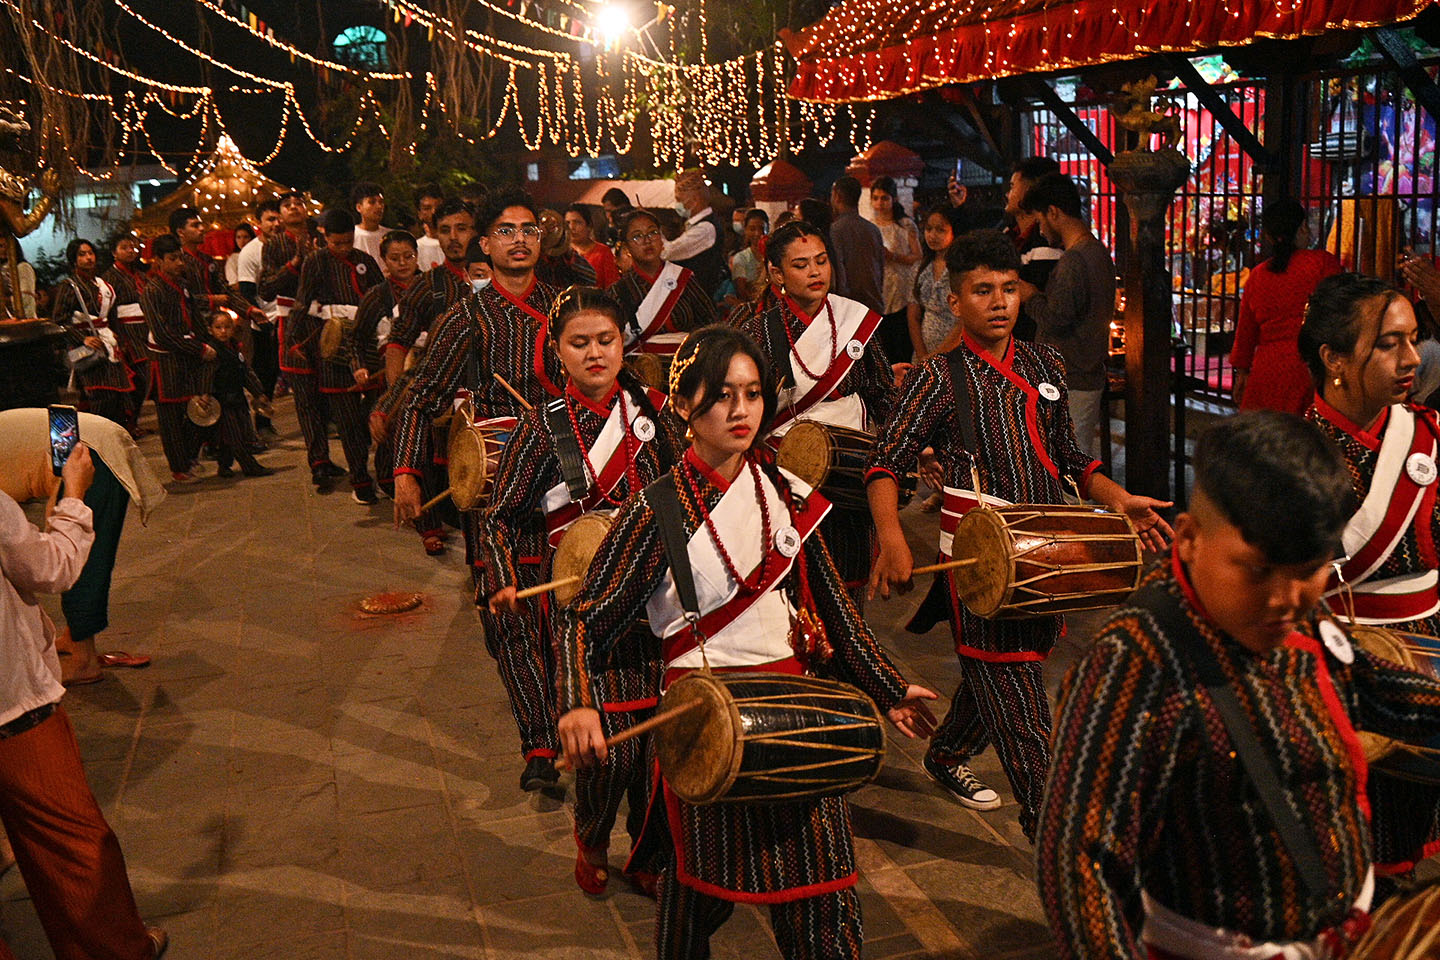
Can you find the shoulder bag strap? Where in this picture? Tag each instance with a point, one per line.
(1258, 764)
(664, 500)
(567, 449)
(960, 386)
(780, 356)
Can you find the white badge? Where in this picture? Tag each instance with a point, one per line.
(855, 349)
(1421, 467)
(1335, 640)
(644, 429)
(787, 541)
(360, 268)
(1049, 391)
(669, 283)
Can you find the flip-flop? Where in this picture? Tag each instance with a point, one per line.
(82, 681)
(119, 658)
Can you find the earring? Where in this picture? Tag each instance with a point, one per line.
(689, 435)
(1337, 381)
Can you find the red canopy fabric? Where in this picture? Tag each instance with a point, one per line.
(878, 49)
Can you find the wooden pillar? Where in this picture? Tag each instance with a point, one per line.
(1147, 181)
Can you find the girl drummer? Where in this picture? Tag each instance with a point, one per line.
(1358, 339)
(662, 301)
(583, 452)
(760, 601)
(824, 349)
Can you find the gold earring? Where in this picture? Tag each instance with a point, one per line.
(1336, 381)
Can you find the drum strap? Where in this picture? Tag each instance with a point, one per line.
(960, 386)
(1258, 764)
(567, 450)
(664, 499)
(780, 362)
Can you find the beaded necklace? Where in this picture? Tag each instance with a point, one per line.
(632, 478)
(834, 339)
(761, 574)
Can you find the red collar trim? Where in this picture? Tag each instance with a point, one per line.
(1369, 436)
(647, 277)
(132, 274)
(460, 274)
(705, 470)
(518, 301)
(602, 408)
(803, 314)
(979, 350)
(401, 287)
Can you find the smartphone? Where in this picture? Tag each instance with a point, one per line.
(64, 434)
(959, 173)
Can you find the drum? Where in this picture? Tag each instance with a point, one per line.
(653, 369)
(832, 460)
(767, 737)
(1416, 652)
(1041, 559)
(1404, 928)
(332, 335)
(473, 449)
(203, 410)
(575, 551)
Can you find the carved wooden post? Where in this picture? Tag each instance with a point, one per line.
(1148, 181)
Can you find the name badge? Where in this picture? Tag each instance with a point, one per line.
(855, 349)
(1421, 467)
(644, 429)
(1049, 391)
(360, 268)
(1336, 642)
(669, 283)
(787, 541)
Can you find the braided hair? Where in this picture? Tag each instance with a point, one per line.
(577, 299)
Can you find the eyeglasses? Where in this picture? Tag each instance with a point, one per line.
(402, 257)
(643, 237)
(508, 232)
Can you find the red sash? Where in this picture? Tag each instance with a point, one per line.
(660, 319)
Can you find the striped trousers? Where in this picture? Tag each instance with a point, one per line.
(234, 431)
(310, 411)
(67, 853)
(352, 421)
(600, 790)
(826, 927)
(1004, 704)
(178, 436)
(521, 648)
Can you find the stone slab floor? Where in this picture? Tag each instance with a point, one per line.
(293, 779)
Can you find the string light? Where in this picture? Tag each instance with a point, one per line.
(214, 7)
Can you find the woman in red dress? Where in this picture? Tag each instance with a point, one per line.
(1269, 373)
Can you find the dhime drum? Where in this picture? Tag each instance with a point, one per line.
(473, 451)
(574, 552)
(1415, 651)
(767, 737)
(832, 460)
(1040, 559)
(1404, 928)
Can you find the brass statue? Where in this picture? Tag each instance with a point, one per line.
(1133, 111)
(16, 222)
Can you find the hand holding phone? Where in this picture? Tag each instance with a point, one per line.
(79, 472)
(64, 434)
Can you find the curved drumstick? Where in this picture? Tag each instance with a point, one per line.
(645, 726)
(546, 587)
(947, 565)
(514, 393)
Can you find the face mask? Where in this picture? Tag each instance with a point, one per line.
(479, 283)
(683, 210)
(738, 228)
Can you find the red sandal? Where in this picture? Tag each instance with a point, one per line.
(590, 876)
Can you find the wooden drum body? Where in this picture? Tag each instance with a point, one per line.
(1042, 559)
(473, 449)
(1416, 652)
(832, 460)
(768, 738)
(1406, 927)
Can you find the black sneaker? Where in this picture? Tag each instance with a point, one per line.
(332, 470)
(257, 471)
(364, 495)
(320, 478)
(966, 787)
(226, 472)
(539, 773)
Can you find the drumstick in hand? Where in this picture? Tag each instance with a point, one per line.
(514, 393)
(546, 587)
(645, 726)
(947, 565)
(435, 499)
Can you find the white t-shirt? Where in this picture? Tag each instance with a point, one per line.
(369, 241)
(429, 252)
(247, 270)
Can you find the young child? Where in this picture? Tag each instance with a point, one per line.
(232, 377)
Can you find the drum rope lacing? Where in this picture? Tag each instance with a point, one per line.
(834, 339)
(631, 476)
(767, 535)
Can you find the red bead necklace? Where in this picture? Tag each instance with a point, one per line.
(834, 339)
(761, 574)
(625, 438)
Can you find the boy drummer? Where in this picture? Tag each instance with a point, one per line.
(1207, 797)
(1009, 422)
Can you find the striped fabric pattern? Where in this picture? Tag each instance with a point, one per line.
(425, 301)
(693, 308)
(115, 377)
(1145, 791)
(278, 278)
(177, 347)
(328, 280)
(128, 286)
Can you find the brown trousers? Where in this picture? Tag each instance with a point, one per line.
(66, 852)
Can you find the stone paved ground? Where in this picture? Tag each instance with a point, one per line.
(294, 780)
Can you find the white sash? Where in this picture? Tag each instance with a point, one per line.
(762, 633)
(650, 316)
(129, 312)
(813, 348)
(345, 311)
(610, 439)
(107, 296)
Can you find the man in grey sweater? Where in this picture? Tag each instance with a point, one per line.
(858, 247)
(1073, 312)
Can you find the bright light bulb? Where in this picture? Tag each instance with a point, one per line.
(611, 22)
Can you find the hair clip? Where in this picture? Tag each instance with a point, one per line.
(678, 368)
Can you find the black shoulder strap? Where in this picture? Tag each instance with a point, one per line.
(960, 386)
(780, 355)
(1258, 764)
(567, 449)
(664, 500)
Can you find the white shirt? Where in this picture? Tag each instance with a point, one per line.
(429, 252)
(247, 268)
(33, 563)
(369, 241)
(698, 237)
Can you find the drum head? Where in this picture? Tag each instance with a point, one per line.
(203, 410)
(650, 369)
(805, 451)
(575, 551)
(982, 586)
(699, 751)
(331, 335)
(1387, 645)
(469, 468)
